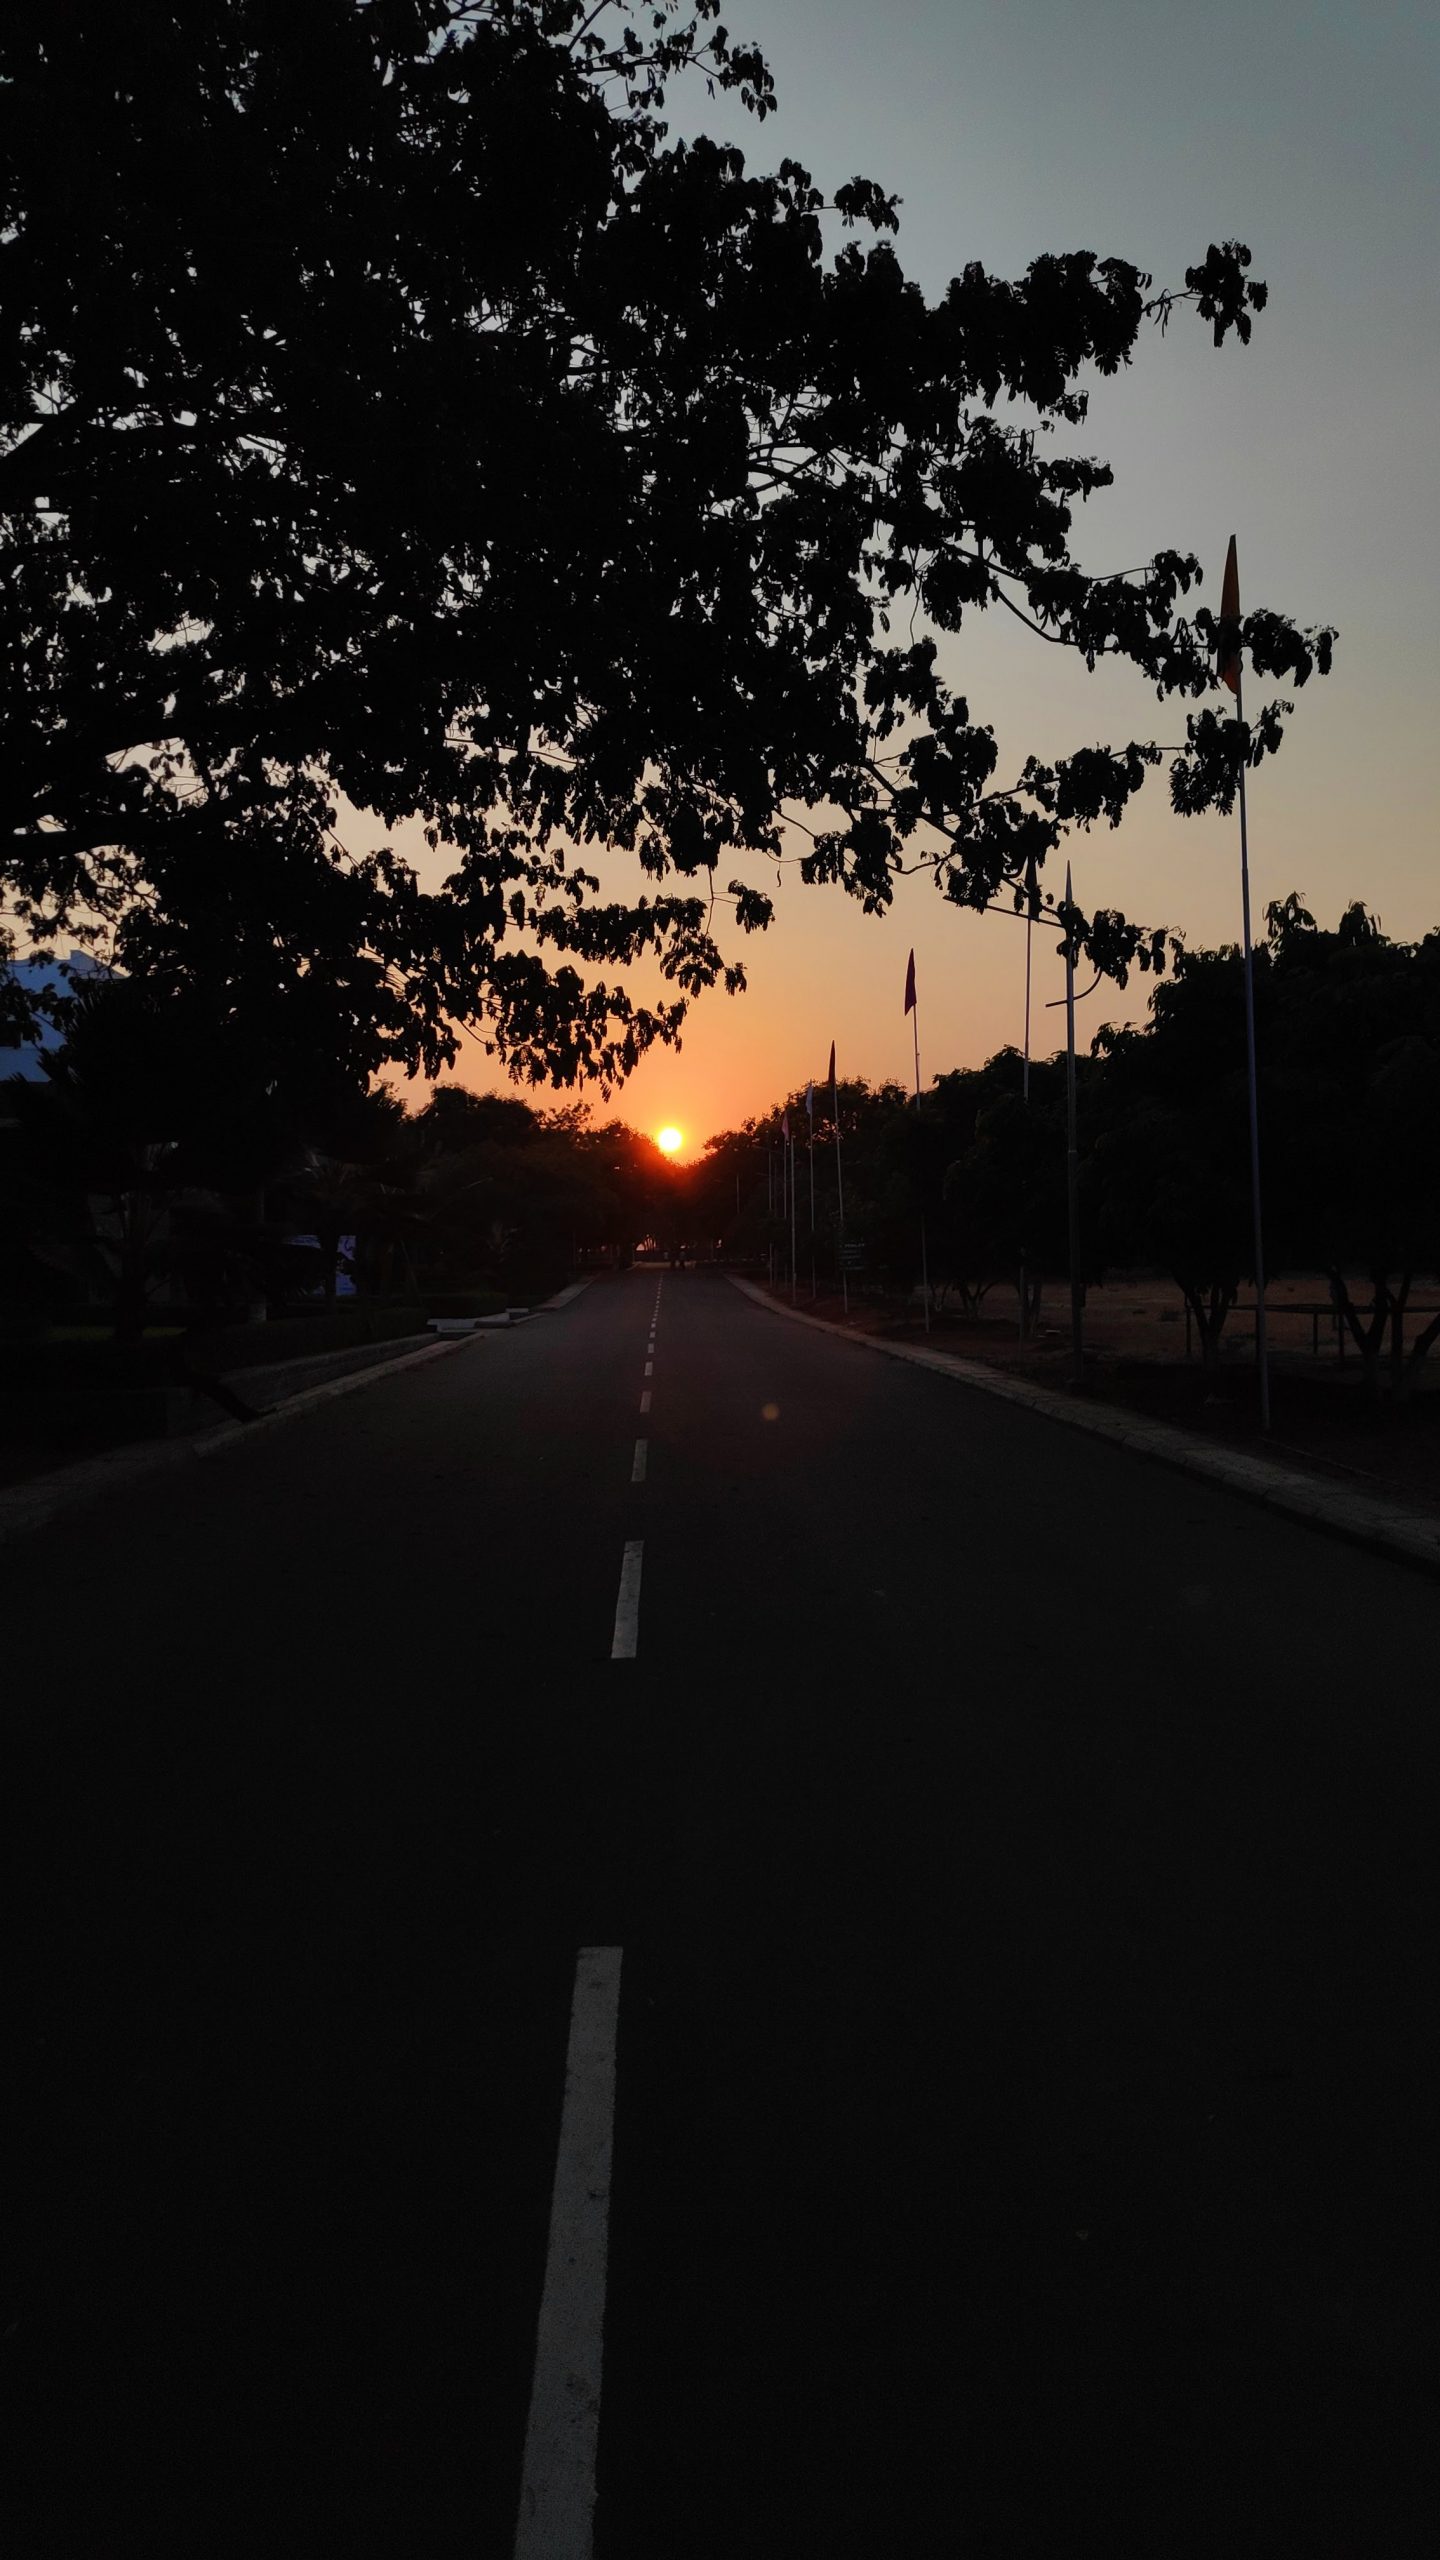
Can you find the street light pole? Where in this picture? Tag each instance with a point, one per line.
(1072, 1154)
(1030, 904)
(1262, 1348)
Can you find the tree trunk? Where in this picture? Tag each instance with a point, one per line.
(1369, 1336)
(1398, 1379)
(1209, 1309)
(257, 1305)
(131, 1258)
(1419, 1350)
(329, 1233)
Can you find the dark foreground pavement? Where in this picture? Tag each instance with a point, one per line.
(1025, 1865)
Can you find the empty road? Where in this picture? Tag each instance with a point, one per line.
(986, 1885)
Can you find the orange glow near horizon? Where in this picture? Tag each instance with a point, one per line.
(670, 1141)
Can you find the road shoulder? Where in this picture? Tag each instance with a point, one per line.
(1365, 1520)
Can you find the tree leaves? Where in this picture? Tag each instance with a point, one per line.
(420, 425)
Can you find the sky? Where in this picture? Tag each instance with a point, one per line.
(1143, 132)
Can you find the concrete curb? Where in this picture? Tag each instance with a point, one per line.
(24, 1507)
(562, 1297)
(230, 1432)
(268, 1375)
(1366, 1520)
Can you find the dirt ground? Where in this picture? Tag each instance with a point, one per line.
(1135, 1356)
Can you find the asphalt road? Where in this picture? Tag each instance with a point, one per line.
(1024, 1861)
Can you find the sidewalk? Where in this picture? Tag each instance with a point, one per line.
(46, 1490)
(35, 1494)
(1365, 1519)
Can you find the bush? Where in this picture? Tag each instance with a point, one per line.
(346, 1328)
(161, 1359)
(466, 1302)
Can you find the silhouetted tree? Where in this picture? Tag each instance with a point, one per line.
(1005, 1201)
(1356, 1120)
(143, 1154)
(1172, 1147)
(394, 411)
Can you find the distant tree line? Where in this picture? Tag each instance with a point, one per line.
(164, 1165)
(1349, 1042)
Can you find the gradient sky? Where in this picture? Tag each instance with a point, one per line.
(1143, 132)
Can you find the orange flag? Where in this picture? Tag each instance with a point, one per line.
(1228, 669)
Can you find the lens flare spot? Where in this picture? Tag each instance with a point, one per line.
(769, 1413)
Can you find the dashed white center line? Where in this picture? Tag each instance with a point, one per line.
(557, 2483)
(627, 1604)
(637, 1472)
(645, 1400)
(649, 1368)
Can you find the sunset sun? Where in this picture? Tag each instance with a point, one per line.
(669, 1140)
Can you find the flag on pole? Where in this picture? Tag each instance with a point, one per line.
(834, 1107)
(810, 1102)
(1228, 669)
(910, 985)
(785, 1127)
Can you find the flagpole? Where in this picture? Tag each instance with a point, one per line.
(1262, 1348)
(839, 1184)
(810, 1154)
(1028, 938)
(1072, 1152)
(1025, 1083)
(920, 1142)
(792, 1221)
(1230, 671)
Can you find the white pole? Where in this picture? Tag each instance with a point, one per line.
(920, 1143)
(792, 1220)
(1028, 938)
(1072, 1152)
(1025, 1084)
(810, 1151)
(840, 1203)
(1262, 1348)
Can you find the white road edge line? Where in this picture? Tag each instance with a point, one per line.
(645, 1400)
(627, 1604)
(557, 2483)
(637, 1472)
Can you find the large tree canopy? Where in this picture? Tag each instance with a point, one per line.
(391, 407)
